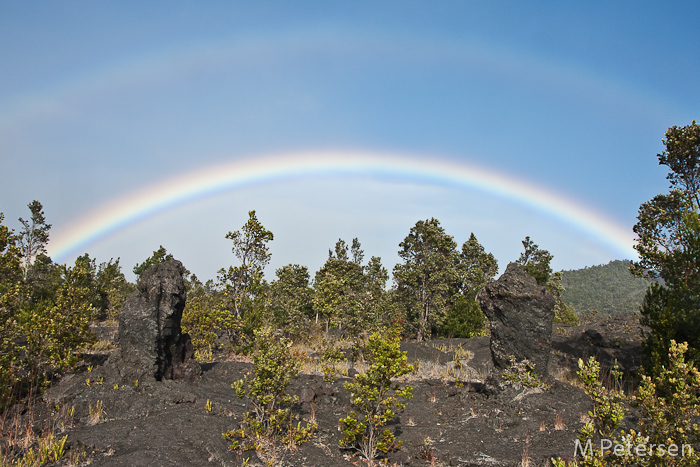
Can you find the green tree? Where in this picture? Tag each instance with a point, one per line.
(113, 289)
(158, 256)
(338, 289)
(424, 281)
(57, 331)
(290, 300)
(682, 156)
(464, 319)
(43, 279)
(376, 398)
(378, 304)
(11, 297)
(668, 243)
(202, 317)
(34, 235)
(474, 268)
(356, 251)
(244, 285)
(351, 296)
(91, 295)
(563, 313)
(535, 261)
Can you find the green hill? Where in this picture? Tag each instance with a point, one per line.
(609, 288)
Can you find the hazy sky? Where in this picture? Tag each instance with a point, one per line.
(105, 105)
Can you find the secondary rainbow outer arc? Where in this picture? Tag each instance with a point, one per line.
(141, 205)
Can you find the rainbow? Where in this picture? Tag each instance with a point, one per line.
(139, 206)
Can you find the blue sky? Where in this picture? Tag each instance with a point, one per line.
(100, 100)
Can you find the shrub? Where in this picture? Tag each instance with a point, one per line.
(465, 318)
(57, 331)
(376, 398)
(668, 407)
(523, 372)
(271, 418)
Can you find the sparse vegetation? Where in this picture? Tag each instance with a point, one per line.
(523, 372)
(338, 322)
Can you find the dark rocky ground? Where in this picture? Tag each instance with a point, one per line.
(168, 424)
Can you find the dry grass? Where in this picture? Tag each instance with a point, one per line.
(559, 422)
(37, 440)
(336, 369)
(271, 452)
(455, 371)
(565, 374)
(95, 413)
(525, 462)
(459, 352)
(312, 415)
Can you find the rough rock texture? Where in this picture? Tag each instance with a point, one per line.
(520, 313)
(150, 342)
(167, 423)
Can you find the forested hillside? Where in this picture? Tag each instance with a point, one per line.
(610, 289)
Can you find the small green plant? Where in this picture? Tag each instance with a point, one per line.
(208, 406)
(205, 354)
(329, 372)
(271, 416)
(95, 413)
(667, 432)
(462, 353)
(523, 372)
(427, 451)
(49, 451)
(376, 399)
(297, 435)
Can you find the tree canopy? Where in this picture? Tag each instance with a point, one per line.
(668, 243)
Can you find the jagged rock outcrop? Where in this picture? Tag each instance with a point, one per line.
(150, 341)
(520, 313)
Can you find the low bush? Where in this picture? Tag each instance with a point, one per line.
(523, 372)
(271, 416)
(666, 431)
